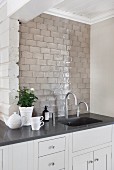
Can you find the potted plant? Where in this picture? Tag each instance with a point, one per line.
(26, 102)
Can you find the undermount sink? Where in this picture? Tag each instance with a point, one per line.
(79, 121)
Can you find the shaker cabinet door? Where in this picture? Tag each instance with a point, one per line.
(83, 162)
(102, 159)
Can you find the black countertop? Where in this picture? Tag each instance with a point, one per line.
(8, 136)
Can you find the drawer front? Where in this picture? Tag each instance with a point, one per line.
(1, 160)
(91, 137)
(52, 162)
(51, 146)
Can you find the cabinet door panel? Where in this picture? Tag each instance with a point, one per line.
(102, 159)
(19, 154)
(22, 156)
(83, 162)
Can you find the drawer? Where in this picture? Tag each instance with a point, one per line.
(91, 137)
(52, 162)
(51, 146)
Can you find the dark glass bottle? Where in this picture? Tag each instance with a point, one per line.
(45, 114)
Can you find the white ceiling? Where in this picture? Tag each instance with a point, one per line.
(88, 11)
(2, 2)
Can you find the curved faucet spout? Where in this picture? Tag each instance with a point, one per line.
(66, 104)
(78, 108)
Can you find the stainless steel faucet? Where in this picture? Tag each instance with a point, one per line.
(66, 103)
(78, 108)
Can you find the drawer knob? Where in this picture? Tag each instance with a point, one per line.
(96, 160)
(52, 147)
(90, 162)
(51, 164)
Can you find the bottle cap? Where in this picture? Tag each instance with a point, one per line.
(46, 107)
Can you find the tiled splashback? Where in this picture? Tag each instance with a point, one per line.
(55, 58)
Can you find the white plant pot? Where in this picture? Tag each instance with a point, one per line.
(26, 114)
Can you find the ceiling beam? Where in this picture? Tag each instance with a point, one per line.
(26, 10)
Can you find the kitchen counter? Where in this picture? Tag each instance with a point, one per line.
(8, 136)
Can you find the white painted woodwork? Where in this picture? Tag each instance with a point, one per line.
(52, 140)
(89, 11)
(30, 155)
(51, 146)
(3, 13)
(2, 2)
(102, 159)
(14, 5)
(1, 161)
(22, 156)
(4, 158)
(83, 162)
(97, 160)
(26, 10)
(52, 162)
(92, 149)
(67, 15)
(91, 137)
(81, 11)
(25, 156)
(19, 159)
(35, 155)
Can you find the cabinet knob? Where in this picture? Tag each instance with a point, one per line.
(90, 162)
(51, 164)
(52, 147)
(96, 160)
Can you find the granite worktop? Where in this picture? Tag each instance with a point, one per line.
(8, 136)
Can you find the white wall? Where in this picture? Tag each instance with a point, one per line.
(102, 68)
(9, 55)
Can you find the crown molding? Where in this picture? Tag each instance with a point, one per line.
(102, 17)
(68, 15)
(81, 19)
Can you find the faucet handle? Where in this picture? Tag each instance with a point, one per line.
(78, 107)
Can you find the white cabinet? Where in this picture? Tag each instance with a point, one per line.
(102, 159)
(82, 150)
(52, 162)
(53, 153)
(91, 137)
(96, 160)
(4, 158)
(51, 146)
(83, 162)
(21, 156)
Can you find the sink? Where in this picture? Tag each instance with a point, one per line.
(79, 121)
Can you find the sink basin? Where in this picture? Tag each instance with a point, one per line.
(79, 121)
